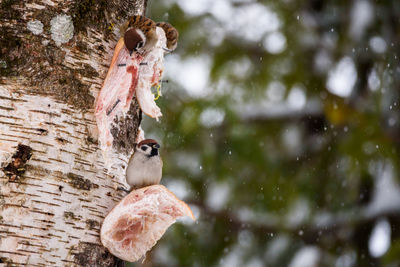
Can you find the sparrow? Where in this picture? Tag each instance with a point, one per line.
(145, 165)
(171, 33)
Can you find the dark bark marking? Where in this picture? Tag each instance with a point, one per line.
(91, 140)
(77, 181)
(124, 130)
(9, 43)
(89, 254)
(90, 13)
(17, 167)
(92, 224)
(47, 203)
(62, 141)
(70, 215)
(42, 131)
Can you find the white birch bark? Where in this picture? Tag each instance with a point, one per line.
(52, 205)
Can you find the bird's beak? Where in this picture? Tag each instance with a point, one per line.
(167, 50)
(156, 146)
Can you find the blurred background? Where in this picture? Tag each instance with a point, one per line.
(281, 129)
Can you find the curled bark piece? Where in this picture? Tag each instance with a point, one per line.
(136, 224)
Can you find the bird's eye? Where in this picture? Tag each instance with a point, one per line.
(144, 148)
(139, 45)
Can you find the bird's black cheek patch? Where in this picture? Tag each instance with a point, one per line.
(154, 152)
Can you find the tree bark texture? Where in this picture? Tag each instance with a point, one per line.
(54, 189)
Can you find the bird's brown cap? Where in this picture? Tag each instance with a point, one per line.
(147, 141)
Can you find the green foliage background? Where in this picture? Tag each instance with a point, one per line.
(288, 180)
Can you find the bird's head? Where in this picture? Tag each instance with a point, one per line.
(134, 40)
(149, 147)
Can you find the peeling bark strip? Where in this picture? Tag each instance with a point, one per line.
(54, 55)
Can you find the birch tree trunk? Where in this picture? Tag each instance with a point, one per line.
(54, 189)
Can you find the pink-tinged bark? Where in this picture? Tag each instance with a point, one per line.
(117, 92)
(129, 75)
(136, 224)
